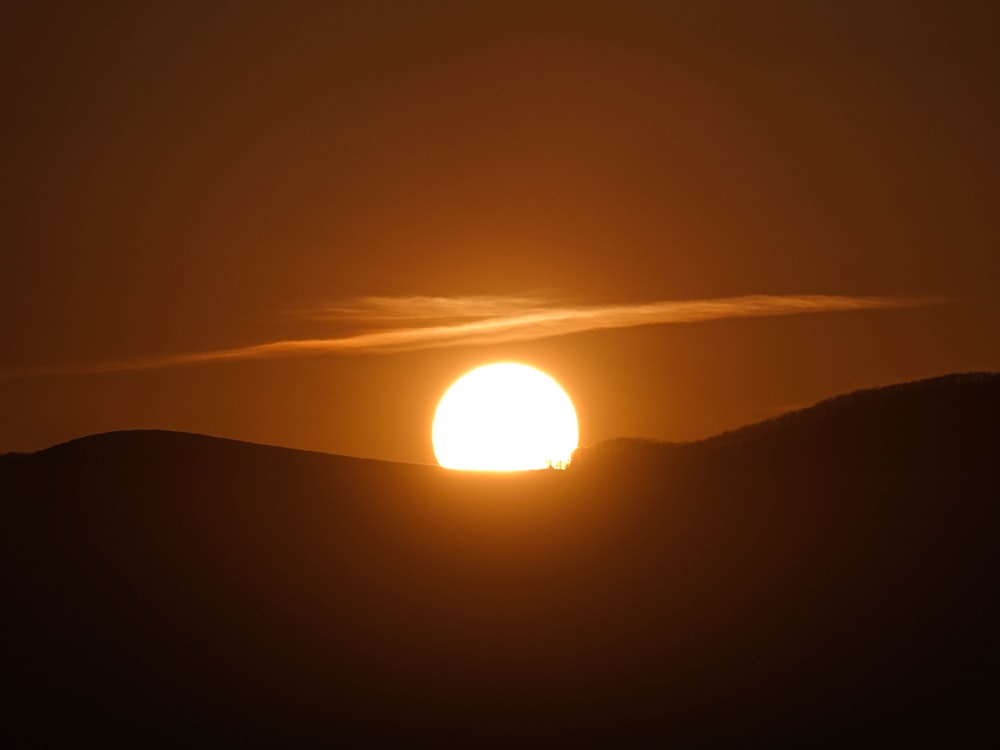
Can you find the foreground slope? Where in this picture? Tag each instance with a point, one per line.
(825, 577)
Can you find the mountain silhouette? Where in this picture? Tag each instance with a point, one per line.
(824, 578)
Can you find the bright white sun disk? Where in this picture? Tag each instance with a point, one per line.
(505, 417)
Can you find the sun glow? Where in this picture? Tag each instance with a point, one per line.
(505, 417)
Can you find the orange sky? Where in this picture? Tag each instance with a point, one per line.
(207, 177)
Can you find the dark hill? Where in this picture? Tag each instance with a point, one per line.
(945, 422)
(825, 578)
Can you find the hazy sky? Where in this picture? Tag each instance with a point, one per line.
(692, 215)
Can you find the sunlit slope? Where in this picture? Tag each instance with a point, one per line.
(774, 583)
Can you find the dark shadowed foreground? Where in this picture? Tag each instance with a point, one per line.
(828, 577)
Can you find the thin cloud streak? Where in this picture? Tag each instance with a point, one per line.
(466, 321)
(423, 308)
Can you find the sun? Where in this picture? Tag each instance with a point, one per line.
(505, 417)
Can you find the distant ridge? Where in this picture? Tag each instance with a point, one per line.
(826, 578)
(941, 415)
(172, 440)
(975, 396)
(981, 386)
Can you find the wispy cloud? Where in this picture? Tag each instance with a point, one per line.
(423, 308)
(398, 324)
